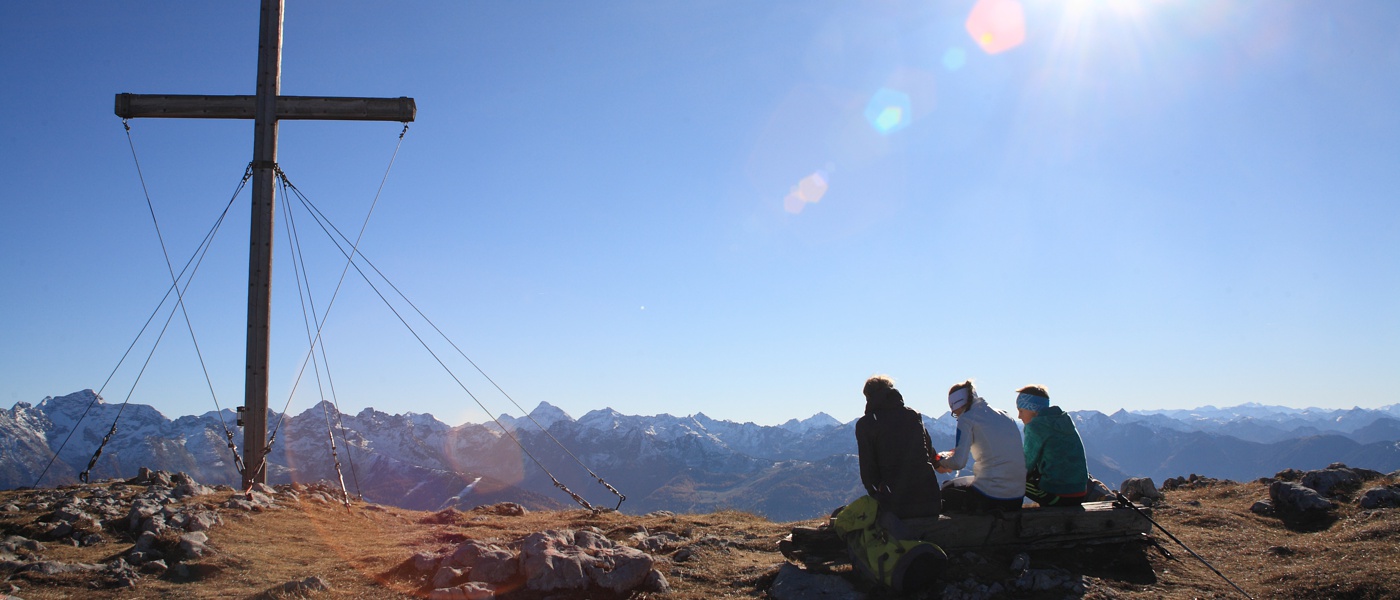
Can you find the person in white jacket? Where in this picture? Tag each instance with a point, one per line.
(990, 438)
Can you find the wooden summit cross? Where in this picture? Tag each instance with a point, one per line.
(266, 108)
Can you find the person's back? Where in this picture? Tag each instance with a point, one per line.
(896, 455)
(990, 438)
(998, 463)
(1060, 456)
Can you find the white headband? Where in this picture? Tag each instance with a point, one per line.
(960, 398)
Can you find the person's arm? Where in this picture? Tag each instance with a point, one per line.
(928, 445)
(1035, 447)
(869, 467)
(961, 448)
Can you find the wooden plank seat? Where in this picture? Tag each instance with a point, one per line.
(1029, 528)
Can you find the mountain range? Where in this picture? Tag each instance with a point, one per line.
(796, 470)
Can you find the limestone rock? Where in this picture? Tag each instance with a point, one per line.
(1329, 480)
(50, 567)
(1137, 488)
(620, 569)
(554, 560)
(306, 586)
(472, 590)
(1297, 499)
(141, 510)
(252, 501)
(487, 563)
(192, 545)
(155, 567)
(795, 583)
(551, 561)
(425, 562)
(1380, 497)
(659, 542)
(445, 576)
(504, 509)
(203, 520)
(656, 583)
(1262, 507)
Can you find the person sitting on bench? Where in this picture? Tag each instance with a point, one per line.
(989, 437)
(896, 455)
(1057, 473)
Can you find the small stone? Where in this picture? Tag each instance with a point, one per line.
(445, 576)
(1380, 497)
(425, 562)
(795, 583)
(202, 521)
(656, 583)
(305, 586)
(659, 542)
(62, 530)
(139, 558)
(1020, 562)
(454, 593)
(1136, 488)
(145, 541)
(192, 545)
(477, 590)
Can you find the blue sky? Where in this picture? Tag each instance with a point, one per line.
(1143, 205)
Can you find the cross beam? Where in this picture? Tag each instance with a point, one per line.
(265, 108)
(131, 106)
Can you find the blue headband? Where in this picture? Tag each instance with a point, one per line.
(1026, 401)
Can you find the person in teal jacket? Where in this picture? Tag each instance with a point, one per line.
(1057, 473)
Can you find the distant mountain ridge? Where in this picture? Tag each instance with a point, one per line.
(799, 469)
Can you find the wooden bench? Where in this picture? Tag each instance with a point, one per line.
(1029, 528)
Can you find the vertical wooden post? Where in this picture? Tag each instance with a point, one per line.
(266, 108)
(260, 242)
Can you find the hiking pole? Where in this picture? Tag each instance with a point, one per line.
(1129, 504)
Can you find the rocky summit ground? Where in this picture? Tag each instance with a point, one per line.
(169, 537)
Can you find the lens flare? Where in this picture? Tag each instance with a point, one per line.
(888, 111)
(954, 58)
(997, 25)
(808, 191)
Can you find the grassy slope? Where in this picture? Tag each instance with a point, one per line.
(358, 550)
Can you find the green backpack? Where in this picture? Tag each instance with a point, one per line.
(895, 563)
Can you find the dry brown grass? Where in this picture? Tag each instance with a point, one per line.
(358, 552)
(1356, 557)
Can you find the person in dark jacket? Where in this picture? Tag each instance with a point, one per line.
(896, 455)
(1057, 473)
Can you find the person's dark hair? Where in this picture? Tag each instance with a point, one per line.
(878, 386)
(1034, 390)
(965, 384)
